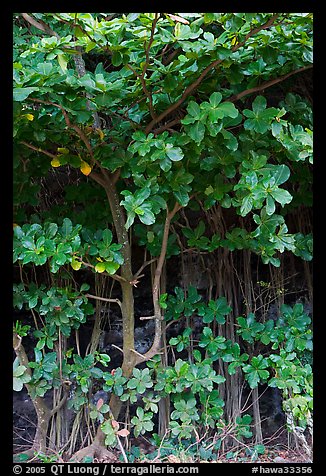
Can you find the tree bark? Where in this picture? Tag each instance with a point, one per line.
(127, 304)
(42, 411)
(130, 357)
(256, 414)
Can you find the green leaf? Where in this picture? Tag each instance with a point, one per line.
(111, 268)
(21, 458)
(215, 99)
(33, 302)
(228, 109)
(182, 197)
(20, 94)
(270, 205)
(148, 217)
(253, 379)
(259, 104)
(51, 230)
(197, 132)
(117, 58)
(107, 237)
(66, 228)
(281, 196)
(141, 195)
(260, 449)
(246, 206)
(130, 220)
(282, 174)
(174, 153)
(194, 109)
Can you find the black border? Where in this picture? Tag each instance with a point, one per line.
(7, 191)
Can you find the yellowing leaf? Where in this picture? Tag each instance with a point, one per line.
(100, 267)
(85, 168)
(62, 62)
(209, 190)
(63, 150)
(99, 259)
(100, 133)
(55, 162)
(29, 117)
(234, 41)
(75, 264)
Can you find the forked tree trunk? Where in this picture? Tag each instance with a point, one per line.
(130, 357)
(42, 411)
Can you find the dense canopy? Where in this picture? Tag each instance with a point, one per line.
(140, 140)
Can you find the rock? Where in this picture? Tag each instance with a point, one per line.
(100, 394)
(278, 459)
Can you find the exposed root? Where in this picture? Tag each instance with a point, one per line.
(27, 455)
(94, 451)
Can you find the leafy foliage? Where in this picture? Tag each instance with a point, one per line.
(131, 117)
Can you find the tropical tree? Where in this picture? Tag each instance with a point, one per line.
(139, 118)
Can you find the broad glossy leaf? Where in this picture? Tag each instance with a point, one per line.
(20, 94)
(182, 197)
(174, 153)
(259, 104)
(282, 196)
(197, 132)
(270, 205)
(246, 206)
(215, 99)
(228, 109)
(194, 109)
(281, 174)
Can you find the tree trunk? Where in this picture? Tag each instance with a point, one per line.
(42, 411)
(164, 403)
(130, 357)
(43, 420)
(256, 414)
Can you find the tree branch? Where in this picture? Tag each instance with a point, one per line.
(204, 73)
(113, 276)
(97, 178)
(156, 284)
(141, 77)
(143, 266)
(238, 96)
(133, 123)
(171, 56)
(39, 24)
(150, 44)
(38, 149)
(98, 298)
(77, 129)
(267, 84)
(147, 93)
(74, 24)
(167, 126)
